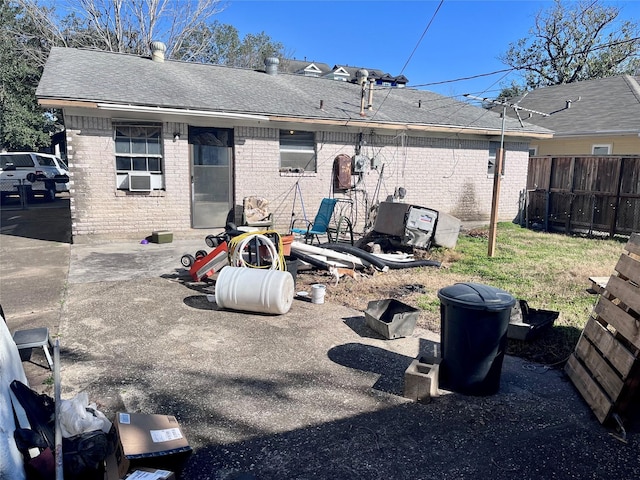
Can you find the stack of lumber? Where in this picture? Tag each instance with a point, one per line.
(605, 366)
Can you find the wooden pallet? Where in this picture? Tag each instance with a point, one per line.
(605, 366)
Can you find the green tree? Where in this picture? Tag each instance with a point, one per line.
(23, 126)
(221, 44)
(573, 42)
(29, 28)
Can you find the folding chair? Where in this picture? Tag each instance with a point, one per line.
(320, 223)
(33, 338)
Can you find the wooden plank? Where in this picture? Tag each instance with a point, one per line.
(633, 245)
(588, 388)
(599, 369)
(625, 324)
(629, 268)
(625, 292)
(617, 354)
(598, 284)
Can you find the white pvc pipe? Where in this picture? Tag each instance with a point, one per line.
(326, 252)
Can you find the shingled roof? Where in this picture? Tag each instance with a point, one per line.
(600, 106)
(98, 78)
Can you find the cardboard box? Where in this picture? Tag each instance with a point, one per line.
(147, 440)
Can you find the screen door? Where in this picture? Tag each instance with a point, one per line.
(211, 176)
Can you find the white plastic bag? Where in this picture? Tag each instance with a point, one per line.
(78, 416)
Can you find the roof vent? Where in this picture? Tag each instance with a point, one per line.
(361, 76)
(271, 65)
(157, 51)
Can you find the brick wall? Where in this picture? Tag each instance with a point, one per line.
(449, 175)
(98, 209)
(445, 174)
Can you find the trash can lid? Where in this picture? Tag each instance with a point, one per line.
(477, 296)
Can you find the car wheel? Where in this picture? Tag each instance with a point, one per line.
(187, 260)
(200, 254)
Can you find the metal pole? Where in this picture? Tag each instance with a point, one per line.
(498, 166)
(57, 400)
(495, 200)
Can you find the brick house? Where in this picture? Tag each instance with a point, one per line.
(155, 145)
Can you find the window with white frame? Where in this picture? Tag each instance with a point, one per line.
(297, 151)
(533, 151)
(138, 148)
(601, 149)
(493, 152)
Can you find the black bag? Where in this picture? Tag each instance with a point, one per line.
(82, 455)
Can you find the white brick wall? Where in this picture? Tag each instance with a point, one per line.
(99, 209)
(445, 174)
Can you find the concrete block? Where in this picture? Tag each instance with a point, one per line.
(421, 379)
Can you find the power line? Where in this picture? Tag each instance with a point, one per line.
(529, 65)
(412, 53)
(464, 78)
(422, 37)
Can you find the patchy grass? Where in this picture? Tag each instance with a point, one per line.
(549, 271)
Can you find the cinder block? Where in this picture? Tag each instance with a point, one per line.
(421, 379)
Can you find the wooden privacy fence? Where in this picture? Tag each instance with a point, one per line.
(584, 194)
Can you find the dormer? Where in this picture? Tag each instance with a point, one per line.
(401, 81)
(338, 73)
(386, 80)
(310, 70)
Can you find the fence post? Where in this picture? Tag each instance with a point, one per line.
(22, 193)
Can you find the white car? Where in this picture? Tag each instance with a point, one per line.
(39, 174)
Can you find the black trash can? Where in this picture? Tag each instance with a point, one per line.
(474, 319)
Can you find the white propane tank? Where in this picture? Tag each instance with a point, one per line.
(254, 290)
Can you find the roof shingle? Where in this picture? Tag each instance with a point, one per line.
(105, 77)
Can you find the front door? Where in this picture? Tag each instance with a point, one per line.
(211, 176)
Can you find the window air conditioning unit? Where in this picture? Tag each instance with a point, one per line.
(139, 182)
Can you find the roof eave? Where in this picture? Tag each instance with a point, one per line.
(413, 127)
(362, 123)
(597, 133)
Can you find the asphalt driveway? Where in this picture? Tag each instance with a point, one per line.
(312, 394)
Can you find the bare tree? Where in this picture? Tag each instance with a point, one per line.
(577, 42)
(123, 25)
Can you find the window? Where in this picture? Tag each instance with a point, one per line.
(602, 149)
(533, 151)
(493, 151)
(297, 151)
(138, 152)
(20, 160)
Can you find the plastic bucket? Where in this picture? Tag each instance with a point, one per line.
(287, 240)
(254, 290)
(317, 293)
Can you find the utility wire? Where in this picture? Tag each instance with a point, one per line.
(411, 55)
(422, 37)
(524, 67)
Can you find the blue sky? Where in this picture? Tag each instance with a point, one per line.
(465, 37)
